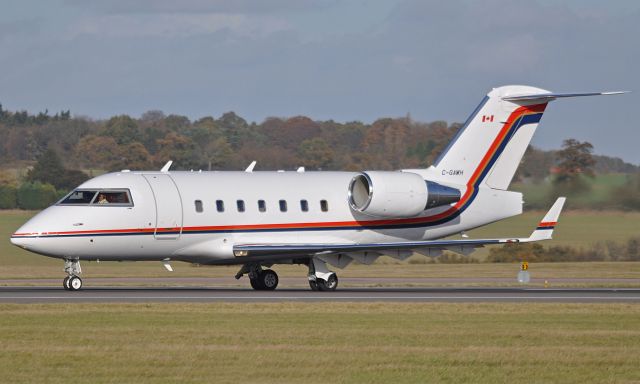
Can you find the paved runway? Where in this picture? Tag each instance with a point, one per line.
(206, 294)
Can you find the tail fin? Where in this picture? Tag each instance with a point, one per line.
(490, 145)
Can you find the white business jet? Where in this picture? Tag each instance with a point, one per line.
(259, 219)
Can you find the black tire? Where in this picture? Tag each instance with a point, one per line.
(269, 279)
(329, 285)
(313, 285)
(65, 284)
(256, 284)
(75, 283)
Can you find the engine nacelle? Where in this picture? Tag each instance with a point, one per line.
(397, 194)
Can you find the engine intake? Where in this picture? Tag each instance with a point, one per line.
(397, 194)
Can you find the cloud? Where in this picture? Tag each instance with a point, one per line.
(11, 30)
(174, 25)
(202, 6)
(163, 18)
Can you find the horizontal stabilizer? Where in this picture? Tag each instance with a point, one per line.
(552, 96)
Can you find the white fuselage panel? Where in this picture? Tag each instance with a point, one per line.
(258, 207)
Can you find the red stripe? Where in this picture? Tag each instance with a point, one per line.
(547, 223)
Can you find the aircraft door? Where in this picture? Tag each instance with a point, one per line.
(168, 206)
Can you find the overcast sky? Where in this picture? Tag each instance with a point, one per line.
(326, 59)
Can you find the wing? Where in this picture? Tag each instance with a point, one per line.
(543, 231)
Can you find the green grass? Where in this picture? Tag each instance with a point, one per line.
(327, 342)
(575, 228)
(601, 187)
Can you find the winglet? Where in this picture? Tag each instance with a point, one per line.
(167, 166)
(548, 223)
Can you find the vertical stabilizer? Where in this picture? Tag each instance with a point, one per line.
(489, 146)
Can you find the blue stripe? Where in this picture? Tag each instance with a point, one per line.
(531, 119)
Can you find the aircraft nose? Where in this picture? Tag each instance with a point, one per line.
(24, 236)
(18, 241)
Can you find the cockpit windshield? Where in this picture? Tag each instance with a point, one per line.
(112, 197)
(78, 197)
(102, 197)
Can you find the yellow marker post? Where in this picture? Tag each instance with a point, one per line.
(523, 275)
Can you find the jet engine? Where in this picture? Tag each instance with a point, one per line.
(397, 194)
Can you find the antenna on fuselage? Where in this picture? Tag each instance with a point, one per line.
(251, 166)
(166, 166)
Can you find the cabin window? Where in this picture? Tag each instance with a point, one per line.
(240, 205)
(220, 205)
(304, 205)
(198, 204)
(262, 206)
(78, 197)
(324, 205)
(283, 205)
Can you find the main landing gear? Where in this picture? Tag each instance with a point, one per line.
(261, 279)
(72, 282)
(320, 277)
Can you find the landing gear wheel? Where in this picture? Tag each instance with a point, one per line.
(65, 283)
(75, 283)
(329, 285)
(268, 279)
(256, 284)
(313, 285)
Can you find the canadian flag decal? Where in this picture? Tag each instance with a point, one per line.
(487, 118)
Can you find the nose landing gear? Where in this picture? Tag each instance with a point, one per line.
(72, 282)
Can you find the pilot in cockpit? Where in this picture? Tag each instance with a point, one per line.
(102, 199)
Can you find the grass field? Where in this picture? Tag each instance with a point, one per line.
(577, 228)
(328, 342)
(600, 190)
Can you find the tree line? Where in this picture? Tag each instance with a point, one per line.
(229, 142)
